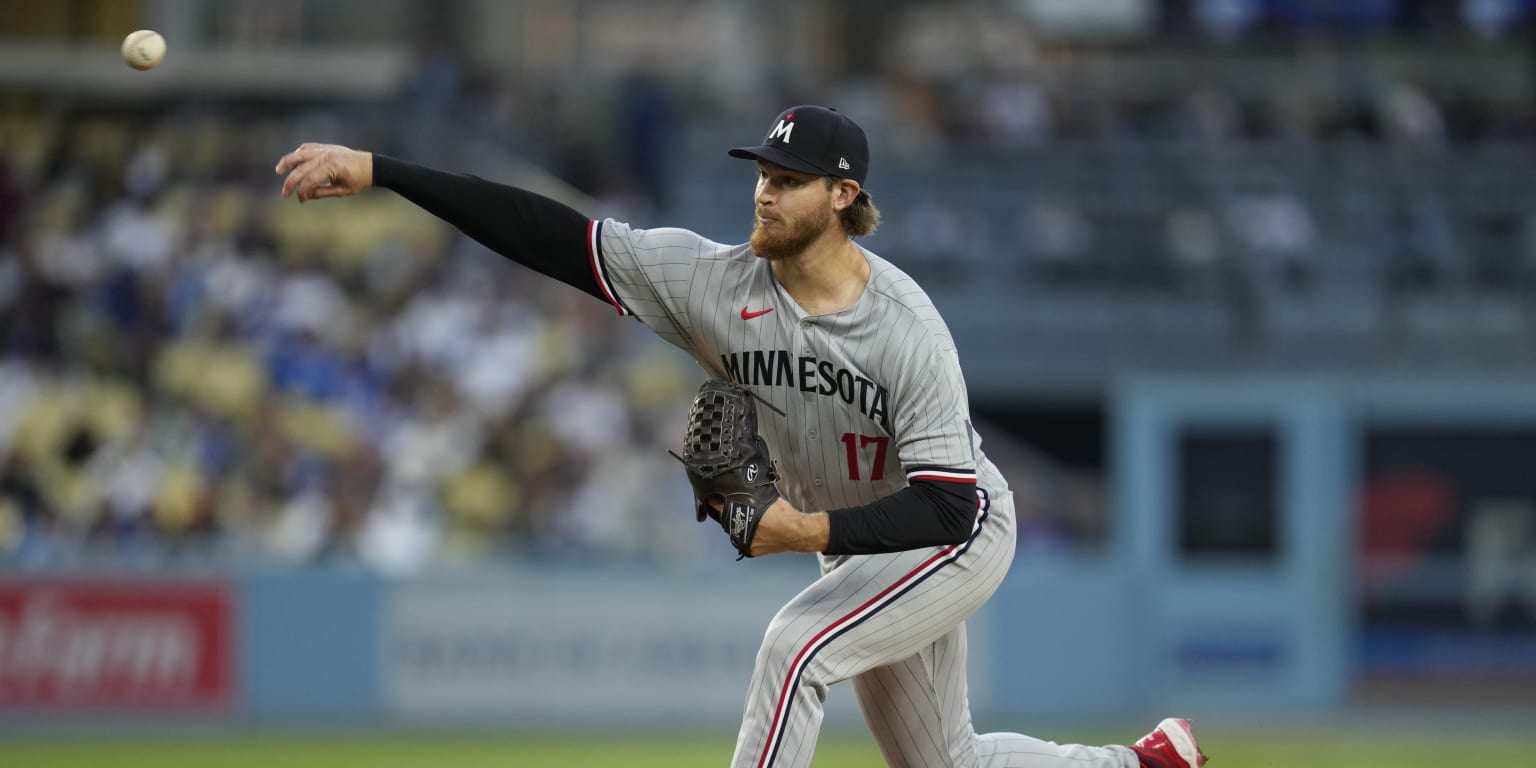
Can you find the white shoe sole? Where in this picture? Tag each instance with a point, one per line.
(1182, 737)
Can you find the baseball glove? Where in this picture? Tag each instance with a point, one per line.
(728, 462)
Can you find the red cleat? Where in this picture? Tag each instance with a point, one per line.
(1170, 745)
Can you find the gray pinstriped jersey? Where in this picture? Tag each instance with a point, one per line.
(872, 395)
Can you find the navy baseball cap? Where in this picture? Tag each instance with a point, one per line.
(810, 139)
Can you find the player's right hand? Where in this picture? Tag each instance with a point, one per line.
(325, 170)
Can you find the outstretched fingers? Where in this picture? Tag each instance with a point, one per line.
(305, 179)
(311, 173)
(288, 162)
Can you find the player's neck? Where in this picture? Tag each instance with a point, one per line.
(827, 277)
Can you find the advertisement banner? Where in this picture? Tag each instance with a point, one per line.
(626, 649)
(126, 645)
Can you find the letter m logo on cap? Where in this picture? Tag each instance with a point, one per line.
(783, 129)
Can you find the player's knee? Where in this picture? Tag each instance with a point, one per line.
(779, 643)
(785, 646)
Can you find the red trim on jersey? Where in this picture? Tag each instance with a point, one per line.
(939, 474)
(943, 478)
(597, 268)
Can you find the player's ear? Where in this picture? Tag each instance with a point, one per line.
(844, 192)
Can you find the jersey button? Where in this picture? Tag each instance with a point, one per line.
(811, 434)
(817, 481)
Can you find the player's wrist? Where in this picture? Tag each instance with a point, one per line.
(815, 532)
(365, 174)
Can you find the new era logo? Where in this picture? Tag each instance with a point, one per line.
(842, 163)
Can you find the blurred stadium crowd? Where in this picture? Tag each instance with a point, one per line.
(194, 371)
(190, 369)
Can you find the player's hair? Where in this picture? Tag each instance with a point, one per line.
(862, 217)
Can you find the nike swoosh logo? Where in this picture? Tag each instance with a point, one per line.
(745, 315)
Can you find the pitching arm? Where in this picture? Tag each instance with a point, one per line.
(530, 229)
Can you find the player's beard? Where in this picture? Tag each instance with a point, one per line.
(789, 239)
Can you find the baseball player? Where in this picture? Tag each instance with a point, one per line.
(878, 468)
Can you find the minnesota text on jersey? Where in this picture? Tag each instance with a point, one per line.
(778, 368)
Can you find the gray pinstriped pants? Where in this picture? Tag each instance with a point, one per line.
(894, 624)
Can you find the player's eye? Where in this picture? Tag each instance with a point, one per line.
(779, 180)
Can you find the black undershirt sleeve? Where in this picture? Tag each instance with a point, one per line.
(924, 514)
(530, 229)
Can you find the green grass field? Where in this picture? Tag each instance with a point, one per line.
(1227, 749)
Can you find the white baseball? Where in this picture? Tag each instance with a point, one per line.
(143, 49)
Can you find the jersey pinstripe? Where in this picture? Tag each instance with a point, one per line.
(873, 395)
